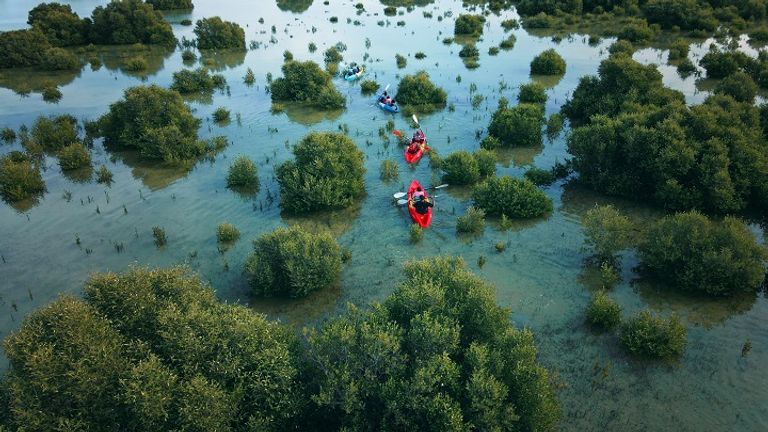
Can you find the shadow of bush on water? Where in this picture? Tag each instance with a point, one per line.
(336, 222)
(115, 59)
(153, 174)
(308, 116)
(219, 61)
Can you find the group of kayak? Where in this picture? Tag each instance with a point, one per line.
(419, 202)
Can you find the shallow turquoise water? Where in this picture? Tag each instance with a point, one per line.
(539, 276)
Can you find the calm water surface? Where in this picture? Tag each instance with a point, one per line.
(540, 276)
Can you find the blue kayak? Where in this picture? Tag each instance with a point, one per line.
(386, 107)
(353, 77)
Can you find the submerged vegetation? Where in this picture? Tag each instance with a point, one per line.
(243, 174)
(327, 173)
(199, 80)
(649, 335)
(519, 125)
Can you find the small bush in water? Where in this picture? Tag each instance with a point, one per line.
(196, 81)
(19, 177)
(227, 233)
(649, 335)
(104, 175)
(214, 33)
(7, 135)
(603, 311)
(401, 61)
(221, 115)
(74, 156)
(290, 262)
(136, 64)
(305, 82)
(469, 25)
(54, 133)
(369, 86)
(460, 168)
(416, 233)
(473, 221)
(188, 55)
(388, 170)
(327, 173)
(249, 78)
(51, 93)
(548, 63)
(420, 93)
(513, 197)
(532, 92)
(159, 234)
(606, 232)
(243, 173)
(520, 125)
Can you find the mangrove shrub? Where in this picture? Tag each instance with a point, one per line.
(243, 173)
(327, 173)
(306, 82)
(438, 355)
(463, 168)
(511, 197)
(215, 33)
(695, 254)
(548, 62)
(603, 311)
(171, 4)
(126, 22)
(469, 25)
(290, 262)
(532, 92)
(19, 48)
(606, 231)
(19, 177)
(156, 122)
(52, 134)
(197, 81)
(649, 335)
(419, 92)
(74, 156)
(518, 126)
(60, 25)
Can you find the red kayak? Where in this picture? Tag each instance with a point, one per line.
(422, 219)
(414, 157)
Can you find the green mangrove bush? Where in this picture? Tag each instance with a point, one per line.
(199, 80)
(243, 174)
(327, 173)
(548, 62)
(156, 122)
(60, 25)
(695, 254)
(533, 93)
(290, 262)
(420, 93)
(128, 22)
(74, 156)
(305, 82)
(469, 25)
(606, 232)
(227, 233)
(472, 222)
(603, 311)
(652, 336)
(171, 4)
(519, 126)
(52, 134)
(215, 33)
(512, 197)
(19, 177)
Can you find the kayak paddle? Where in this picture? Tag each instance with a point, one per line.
(402, 194)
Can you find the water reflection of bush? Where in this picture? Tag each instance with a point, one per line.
(154, 175)
(335, 222)
(114, 59)
(309, 116)
(406, 3)
(520, 156)
(222, 60)
(27, 80)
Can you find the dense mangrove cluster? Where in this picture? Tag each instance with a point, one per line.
(155, 350)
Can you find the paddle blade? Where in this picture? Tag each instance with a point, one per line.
(386, 88)
(441, 186)
(399, 195)
(397, 133)
(415, 120)
(402, 202)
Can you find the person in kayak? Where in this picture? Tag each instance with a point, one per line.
(421, 204)
(418, 137)
(413, 147)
